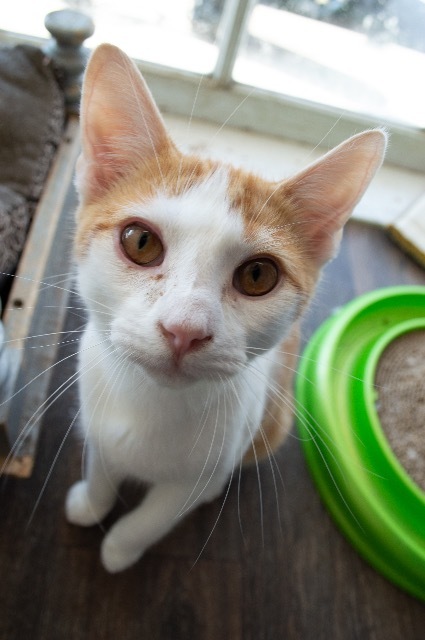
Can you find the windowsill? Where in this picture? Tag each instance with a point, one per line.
(392, 191)
(275, 157)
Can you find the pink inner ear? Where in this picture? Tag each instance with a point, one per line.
(326, 193)
(121, 125)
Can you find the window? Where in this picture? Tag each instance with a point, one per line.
(294, 68)
(358, 55)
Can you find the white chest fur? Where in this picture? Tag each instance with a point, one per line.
(158, 434)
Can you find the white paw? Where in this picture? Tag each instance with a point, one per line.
(115, 556)
(78, 508)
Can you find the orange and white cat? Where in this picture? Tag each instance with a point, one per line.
(195, 275)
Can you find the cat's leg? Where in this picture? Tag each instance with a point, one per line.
(91, 499)
(159, 512)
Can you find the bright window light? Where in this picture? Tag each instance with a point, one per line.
(162, 32)
(367, 57)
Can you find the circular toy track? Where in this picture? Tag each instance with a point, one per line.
(369, 494)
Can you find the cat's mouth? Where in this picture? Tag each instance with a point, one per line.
(171, 372)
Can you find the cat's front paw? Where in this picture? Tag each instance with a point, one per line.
(79, 509)
(116, 556)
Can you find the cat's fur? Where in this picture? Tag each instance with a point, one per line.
(184, 375)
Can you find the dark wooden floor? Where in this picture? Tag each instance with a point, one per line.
(300, 580)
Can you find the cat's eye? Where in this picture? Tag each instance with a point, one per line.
(256, 277)
(141, 245)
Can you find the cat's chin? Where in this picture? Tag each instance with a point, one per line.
(177, 376)
(174, 380)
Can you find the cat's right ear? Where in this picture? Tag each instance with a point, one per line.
(121, 126)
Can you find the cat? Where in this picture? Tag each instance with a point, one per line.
(195, 275)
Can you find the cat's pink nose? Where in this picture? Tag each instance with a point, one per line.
(184, 338)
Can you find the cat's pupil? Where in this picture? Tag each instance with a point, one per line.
(256, 272)
(144, 237)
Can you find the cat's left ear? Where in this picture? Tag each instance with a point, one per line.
(120, 123)
(324, 195)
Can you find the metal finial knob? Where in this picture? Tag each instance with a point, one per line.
(69, 30)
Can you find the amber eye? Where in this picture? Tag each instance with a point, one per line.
(256, 277)
(141, 245)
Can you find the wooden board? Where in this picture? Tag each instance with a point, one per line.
(35, 289)
(409, 230)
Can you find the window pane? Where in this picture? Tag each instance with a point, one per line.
(173, 33)
(366, 56)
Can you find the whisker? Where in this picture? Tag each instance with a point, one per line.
(184, 510)
(53, 286)
(72, 308)
(306, 158)
(27, 384)
(257, 464)
(300, 356)
(217, 519)
(217, 132)
(333, 480)
(60, 275)
(49, 474)
(310, 416)
(274, 467)
(43, 335)
(205, 411)
(239, 499)
(314, 434)
(235, 110)
(41, 410)
(115, 366)
(189, 124)
(68, 431)
(58, 282)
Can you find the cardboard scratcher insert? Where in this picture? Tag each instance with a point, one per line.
(400, 383)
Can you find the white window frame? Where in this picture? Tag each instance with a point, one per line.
(220, 100)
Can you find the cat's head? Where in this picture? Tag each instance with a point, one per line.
(189, 266)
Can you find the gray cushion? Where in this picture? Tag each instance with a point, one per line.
(32, 118)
